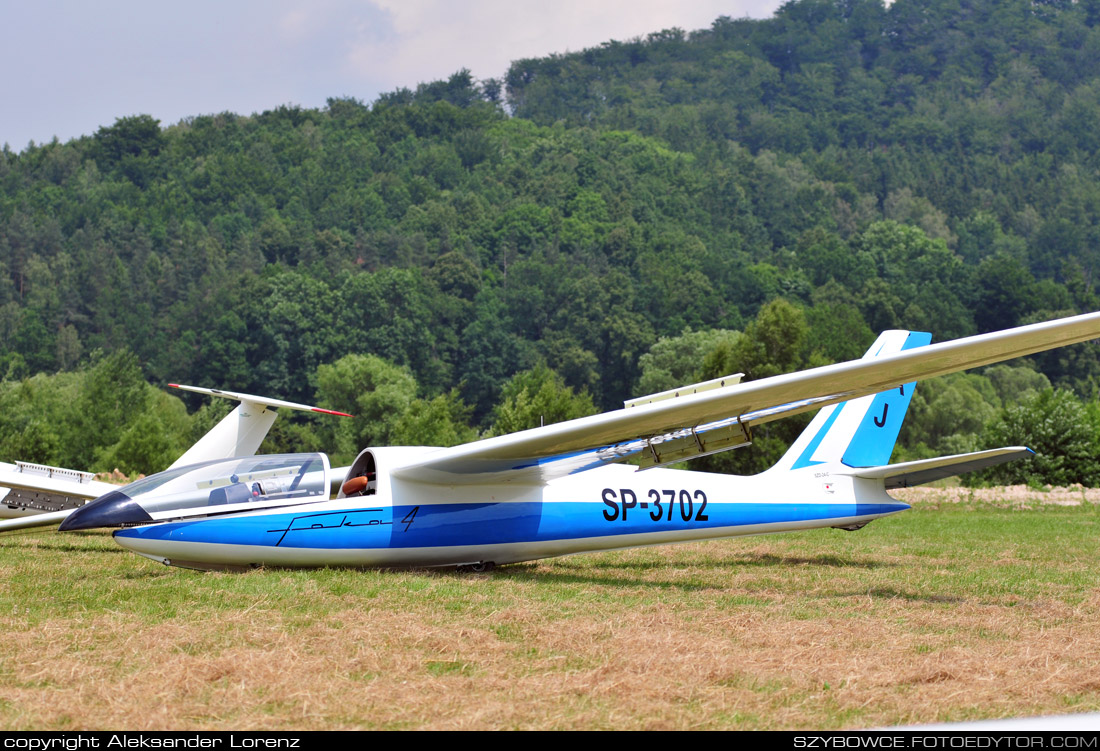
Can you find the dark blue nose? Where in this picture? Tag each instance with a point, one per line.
(111, 510)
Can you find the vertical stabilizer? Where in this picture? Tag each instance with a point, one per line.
(241, 432)
(861, 432)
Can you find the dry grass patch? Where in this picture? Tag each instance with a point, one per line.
(1011, 496)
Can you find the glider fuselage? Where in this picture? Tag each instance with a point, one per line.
(418, 524)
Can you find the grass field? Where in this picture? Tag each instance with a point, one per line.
(962, 608)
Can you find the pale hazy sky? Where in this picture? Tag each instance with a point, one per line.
(70, 66)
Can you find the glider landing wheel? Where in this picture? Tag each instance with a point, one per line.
(477, 568)
(854, 527)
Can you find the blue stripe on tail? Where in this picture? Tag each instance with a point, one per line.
(804, 459)
(874, 439)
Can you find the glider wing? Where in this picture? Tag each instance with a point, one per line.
(542, 454)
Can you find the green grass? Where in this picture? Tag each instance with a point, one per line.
(916, 618)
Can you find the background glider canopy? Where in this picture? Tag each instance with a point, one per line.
(542, 454)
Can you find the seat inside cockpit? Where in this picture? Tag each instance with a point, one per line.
(362, 478)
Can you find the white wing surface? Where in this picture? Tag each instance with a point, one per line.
(42, 488)
(541, 454)
(38, 495)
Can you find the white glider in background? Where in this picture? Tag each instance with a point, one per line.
(562, 488)
(40, 495)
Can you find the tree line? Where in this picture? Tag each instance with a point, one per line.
(491, 249)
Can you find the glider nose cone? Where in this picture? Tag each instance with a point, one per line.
(111, 510)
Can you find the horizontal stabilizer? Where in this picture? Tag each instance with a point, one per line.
(261, 400)
(908, 474)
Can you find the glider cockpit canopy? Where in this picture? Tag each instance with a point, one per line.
(215, 487)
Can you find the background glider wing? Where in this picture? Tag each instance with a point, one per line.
(40, 488)
(541, 454)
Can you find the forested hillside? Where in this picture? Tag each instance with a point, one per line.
(469, 257)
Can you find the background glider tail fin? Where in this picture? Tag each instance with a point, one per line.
(860, 432)
(241, 432)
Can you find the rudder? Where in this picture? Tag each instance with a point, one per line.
(861, 432)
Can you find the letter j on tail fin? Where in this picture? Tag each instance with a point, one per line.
(861, 432)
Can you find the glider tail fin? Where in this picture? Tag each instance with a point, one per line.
(241, 432)
(861, 432)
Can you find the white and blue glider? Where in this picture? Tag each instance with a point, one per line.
(562, 488)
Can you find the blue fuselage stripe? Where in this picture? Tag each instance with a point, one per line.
(443, 525)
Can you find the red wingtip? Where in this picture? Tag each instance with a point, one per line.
(332, 412)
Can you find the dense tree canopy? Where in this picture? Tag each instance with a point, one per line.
(755, 196)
